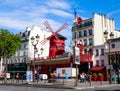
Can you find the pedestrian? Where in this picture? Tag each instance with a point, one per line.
(55, 75)
(17, 78)
(58, 75)
(66, 76)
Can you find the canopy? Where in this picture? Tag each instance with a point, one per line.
(98, 68)
(85, 58)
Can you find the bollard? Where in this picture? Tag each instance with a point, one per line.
(5, 79)
(90, 79)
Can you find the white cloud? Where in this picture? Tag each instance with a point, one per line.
(11, 23)
(113, 12)
(58, 4)
(14, 3)
(28, 13)
(61, 13)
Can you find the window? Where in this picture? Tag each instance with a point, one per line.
(80, 33)
(113, 45)
(25, 46)
(85, 32)
(102, 62)
(18, 53)
(97, 62)
(90, 41)
(90, 23)
(90, 32)
(85, 51)
(97, 52)
(10, 61)
(85, 42)
(24, 53)
(74, 35)
(77, 34)
(18, 61)
(90, 51)
(24, 61)
(80, 25)
(102, 51)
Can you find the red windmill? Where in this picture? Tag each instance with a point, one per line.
(56, 40)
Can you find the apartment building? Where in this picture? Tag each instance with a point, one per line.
(91, 33)
(19, 63)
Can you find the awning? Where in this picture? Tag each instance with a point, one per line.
(53, 61)
(99, 68)
(85, 58)
(86, 61)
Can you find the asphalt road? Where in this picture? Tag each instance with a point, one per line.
(111, 88)
(19, 88)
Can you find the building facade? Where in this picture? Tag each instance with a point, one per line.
(91, 33)
(19, 63)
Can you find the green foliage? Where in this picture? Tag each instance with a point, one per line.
(94, 74)
(100, 74)
(9, 43)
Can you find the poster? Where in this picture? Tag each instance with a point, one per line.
(29, 76)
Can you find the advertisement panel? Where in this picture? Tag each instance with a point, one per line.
(71, 72)
(29, 76)
(76, 55)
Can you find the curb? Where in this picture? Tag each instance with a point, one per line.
(39, 86)
(101, 86)
(59, 86)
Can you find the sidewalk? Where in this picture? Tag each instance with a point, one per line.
(60, 84)
(70, 84)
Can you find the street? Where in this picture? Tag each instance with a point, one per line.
(19, 88)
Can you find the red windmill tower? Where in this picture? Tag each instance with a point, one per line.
(57, 41)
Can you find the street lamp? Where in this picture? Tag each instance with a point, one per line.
(117, 66)
(89, 66)
(76, 59)
(37, 37)
(88, 51)
(109, 41)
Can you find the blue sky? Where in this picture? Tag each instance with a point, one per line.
(16, 15)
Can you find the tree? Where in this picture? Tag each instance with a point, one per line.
(9, 43)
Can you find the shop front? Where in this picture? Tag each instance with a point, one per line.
(20, 68)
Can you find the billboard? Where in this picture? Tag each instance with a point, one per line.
(76, 55)
(29, 76)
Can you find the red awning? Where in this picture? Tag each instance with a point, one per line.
(85, 58)
(99, 68)
(86, 61)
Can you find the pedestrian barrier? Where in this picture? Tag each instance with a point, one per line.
(55, 82)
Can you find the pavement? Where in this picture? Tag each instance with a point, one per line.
(60, 84)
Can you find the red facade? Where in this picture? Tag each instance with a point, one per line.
(57, 46)
(56, 53)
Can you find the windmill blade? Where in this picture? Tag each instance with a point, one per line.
(48, 26)
(65, 25)
(45, 40)
(57, 37)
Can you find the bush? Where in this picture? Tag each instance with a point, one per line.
(94, 74)
(100, 74)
